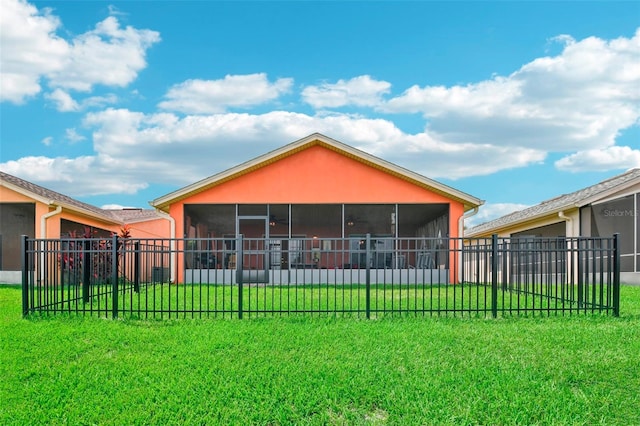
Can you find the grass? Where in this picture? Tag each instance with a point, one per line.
(69, 369)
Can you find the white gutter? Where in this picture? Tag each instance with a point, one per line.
(172, 243)
(43, 235)
(571, 255)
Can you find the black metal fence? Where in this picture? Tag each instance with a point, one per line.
(366, 276)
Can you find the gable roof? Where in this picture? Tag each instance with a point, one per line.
(316, 139)
(53, 198)
(555, 205)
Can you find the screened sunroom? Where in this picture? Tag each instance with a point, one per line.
(317, 236)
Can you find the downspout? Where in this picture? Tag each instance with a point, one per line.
(463, 217)
(568, 239)
(172, 243)
(568, 221)
(466, 215)
(43, 236)
(43, 220)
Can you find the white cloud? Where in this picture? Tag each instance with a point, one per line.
(32, 52)
(72, 136)
(115, 207)
(611, 158)
(565, 39)
(108, 55)
(215, 96)
(215, 142)
(360, 91)
(70, 176)
(490, 211)
(580, 99)
(30, 49)
(63, 101)
(98, 101)
(114, 11)
(47, 141)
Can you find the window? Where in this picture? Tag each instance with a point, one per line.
(617, 216)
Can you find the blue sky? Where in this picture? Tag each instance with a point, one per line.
(119, 103)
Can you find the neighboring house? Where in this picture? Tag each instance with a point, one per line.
(38, 212)
(611, 206)
(315, 187)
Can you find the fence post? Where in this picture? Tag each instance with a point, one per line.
(505, 265)
(583, 251)
(239, 266)
(114, 275)
(616, 275)
(494, 275)
(25, 275)
(136, 266)
(86, 270)
(368, 276)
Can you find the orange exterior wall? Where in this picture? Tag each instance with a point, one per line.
(157, 228)
(9, 196)
(317, 175)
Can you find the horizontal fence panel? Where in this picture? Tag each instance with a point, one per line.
(362, 277)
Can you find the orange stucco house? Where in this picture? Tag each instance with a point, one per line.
(309, 201)
(38, 212)
(315, 187)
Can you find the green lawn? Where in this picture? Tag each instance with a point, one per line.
(578, 370)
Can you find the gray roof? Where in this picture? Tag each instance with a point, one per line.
(132, 215)
(575, 199)
(52, 197)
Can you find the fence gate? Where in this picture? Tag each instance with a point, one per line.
(253, 255)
